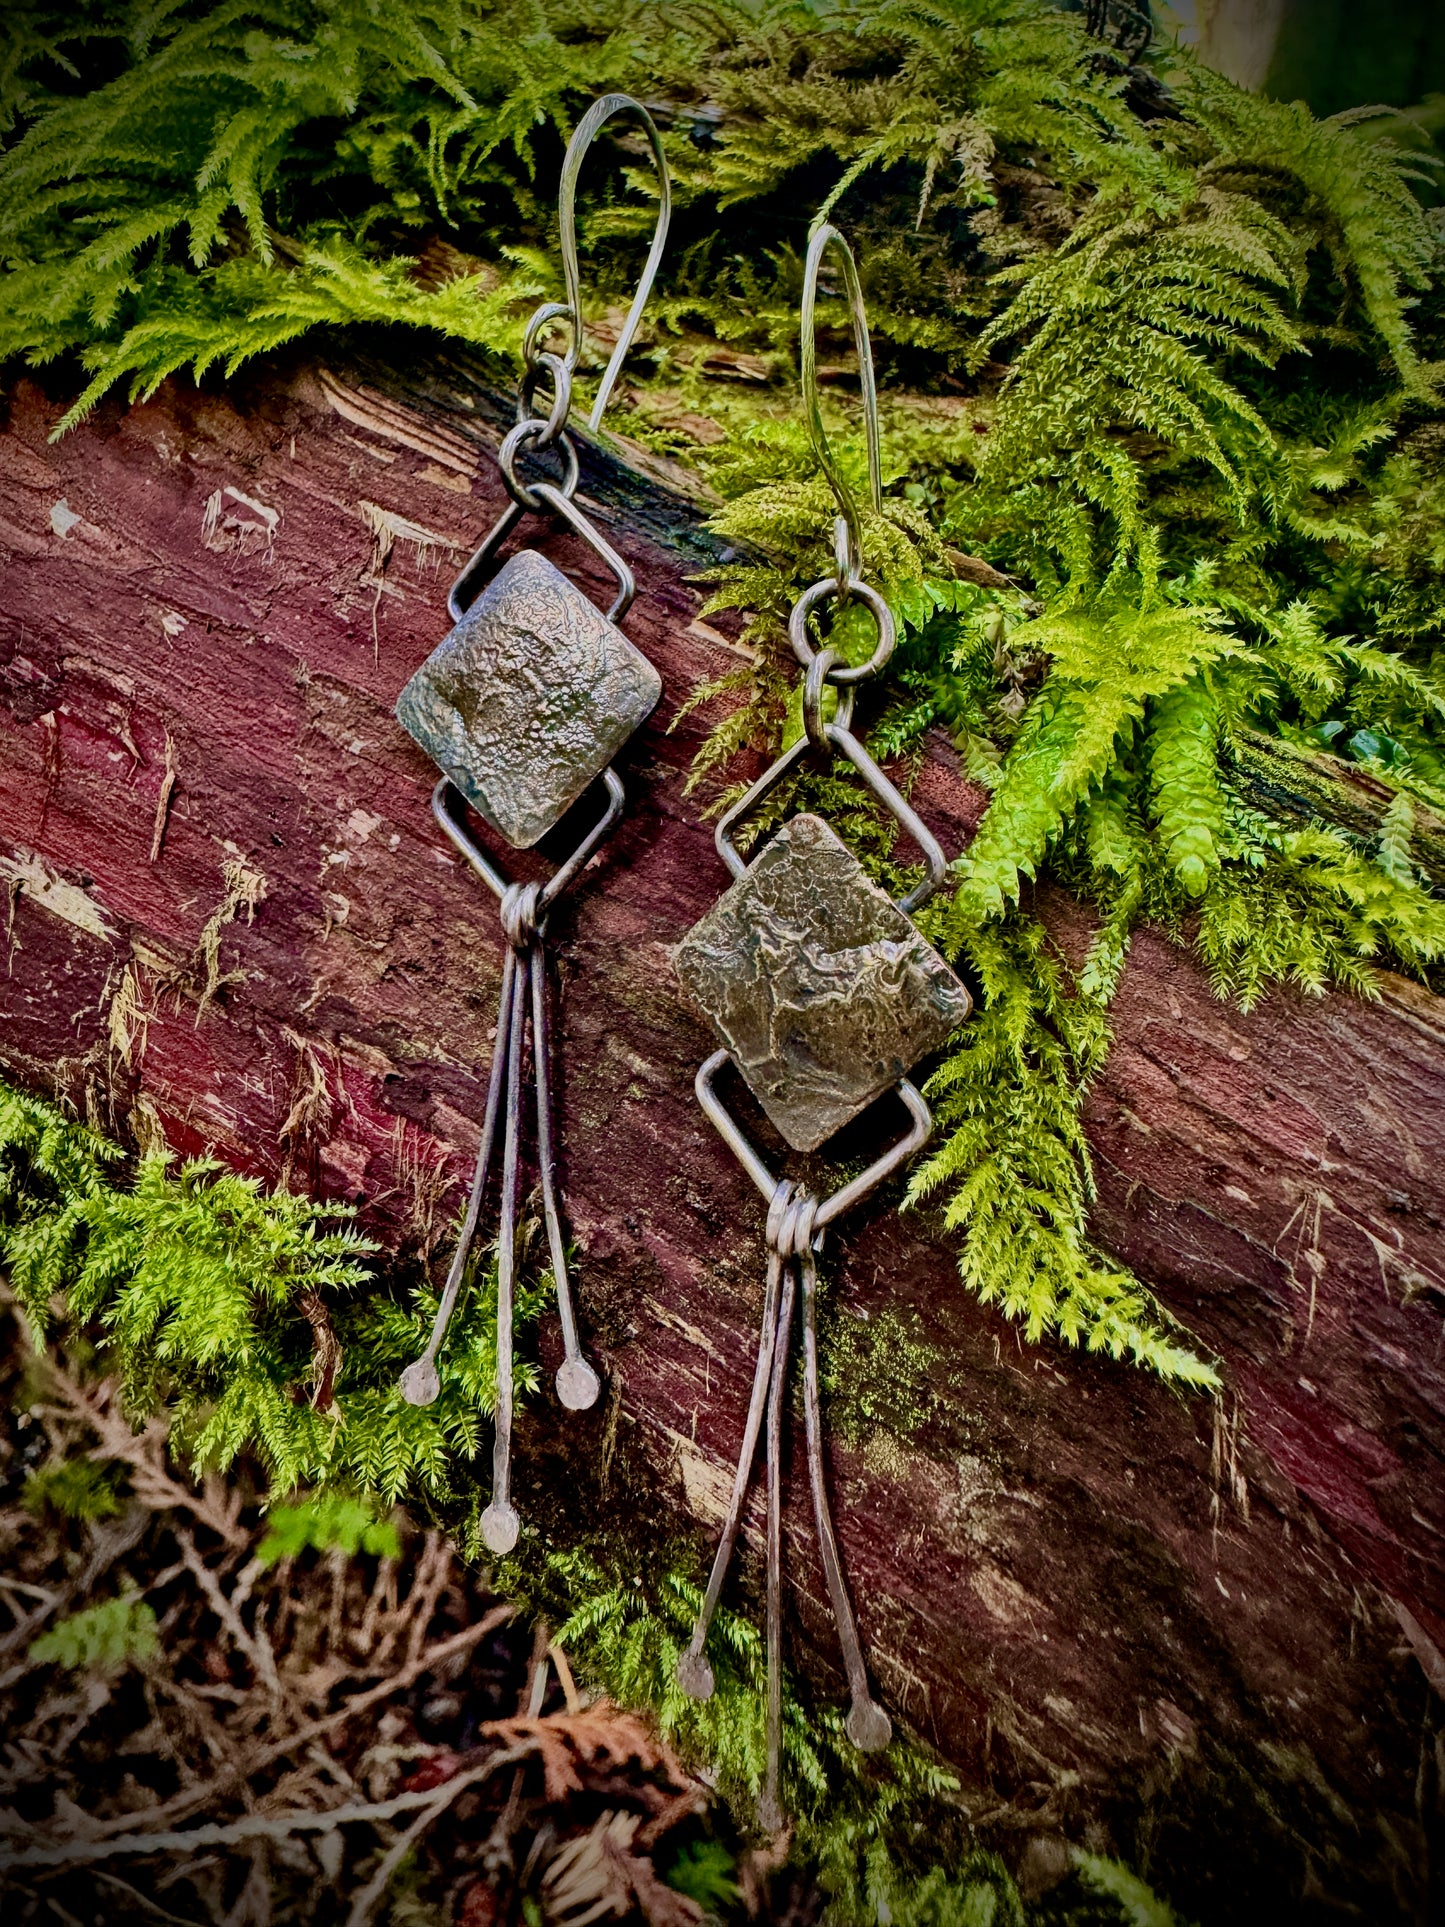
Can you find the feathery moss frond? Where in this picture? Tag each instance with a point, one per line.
(205, 1290)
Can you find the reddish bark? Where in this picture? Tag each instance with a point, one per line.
(1051, 1582)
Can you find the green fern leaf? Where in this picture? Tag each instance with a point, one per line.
(1183, 765)
(103, 1639)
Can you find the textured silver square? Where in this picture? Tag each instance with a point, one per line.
(821, 988)
(528, 699)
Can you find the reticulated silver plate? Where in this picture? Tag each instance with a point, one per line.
(821, 988)
(528, 699)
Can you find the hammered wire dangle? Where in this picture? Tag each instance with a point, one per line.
(824, 994)
(523, 705)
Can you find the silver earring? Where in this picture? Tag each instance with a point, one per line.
(524, 705)
(824, 995)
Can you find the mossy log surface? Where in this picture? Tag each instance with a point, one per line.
(210, 603)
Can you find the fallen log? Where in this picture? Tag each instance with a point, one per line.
(1207, 1632)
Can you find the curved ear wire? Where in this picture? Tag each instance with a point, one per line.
(850, 543)
(596, 117)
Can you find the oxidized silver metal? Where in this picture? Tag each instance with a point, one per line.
(823, 991)
(825, 994)
(796, 1223)
(849, 543)
(523, 706)
(528, 699)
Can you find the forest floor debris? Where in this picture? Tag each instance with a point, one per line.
(212, 1714)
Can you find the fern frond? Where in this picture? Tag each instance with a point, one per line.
(1184, 774)
(1012, 1158)
(1107, 666)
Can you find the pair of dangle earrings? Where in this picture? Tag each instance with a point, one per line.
(821, 990)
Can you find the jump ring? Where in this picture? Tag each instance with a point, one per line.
(517, 438)
(820, 670)
(549, 312)
(556, 420)
(871, 600)
(847, 561)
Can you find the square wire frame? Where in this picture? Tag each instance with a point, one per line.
(528, 699)
(822, 989)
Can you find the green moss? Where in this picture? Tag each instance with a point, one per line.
(876, 1373)
(230, 1309)
(76, 1489)
(598, 1558)
(1212, 463)
(327, 1522)
(875, 1830)
(102, 1639)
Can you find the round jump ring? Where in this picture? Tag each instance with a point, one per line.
(819, 671)
(556, 419)
(847, 562)
(517, 438)
(871, 600)
(549, 312)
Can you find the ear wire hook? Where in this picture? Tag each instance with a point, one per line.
(848, 532)
(538, 431)
(592, 122)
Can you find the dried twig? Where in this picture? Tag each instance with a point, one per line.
(143, 1452)
(257, 1650)
(375, 1888)
(236, 1713)
(152, 1907)
(190, 1801)
(196, 1713)
(564, 1674)
(433, 1570)
(107, 1545)
(325, 1349)
(251, 1826)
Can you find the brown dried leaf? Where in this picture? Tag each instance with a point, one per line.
(599, 1740)
(728, 364)
(598, 1873)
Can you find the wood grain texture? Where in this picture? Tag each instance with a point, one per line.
(210, 603)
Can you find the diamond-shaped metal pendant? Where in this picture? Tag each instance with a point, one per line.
(528, 698)
(821, 988)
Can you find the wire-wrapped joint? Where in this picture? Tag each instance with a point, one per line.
(792, 1221)
(523, 916)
